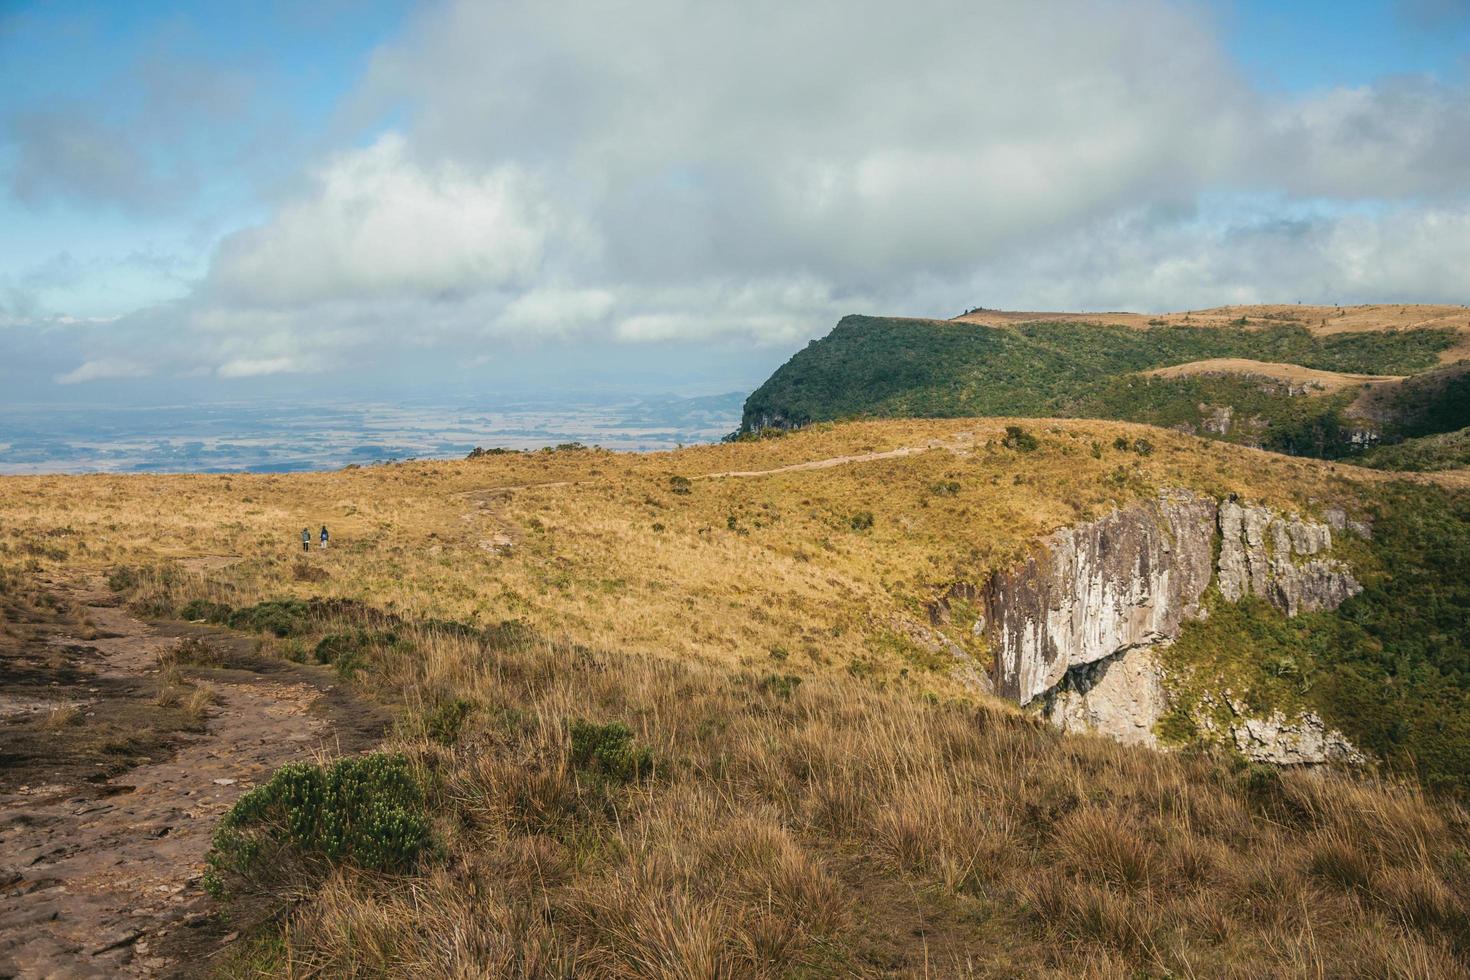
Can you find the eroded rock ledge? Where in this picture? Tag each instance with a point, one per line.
(1075, 626)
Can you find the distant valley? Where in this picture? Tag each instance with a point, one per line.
(274, 437)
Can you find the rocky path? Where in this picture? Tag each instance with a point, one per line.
(100, 877)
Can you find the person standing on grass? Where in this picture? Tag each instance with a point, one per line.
(306, 539)
(324, 537)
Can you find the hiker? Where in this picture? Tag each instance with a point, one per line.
(324, 537)
(306, 539)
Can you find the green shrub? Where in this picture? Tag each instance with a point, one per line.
(203, 609)
(366, 812)
(123, 579)
(861, 521)
(279, 617)
(1143, 447)
(781, 685)
(680, 484)
(347, 652)
(1019, 439)
(510, 634)
(607, 751)
(445, 723)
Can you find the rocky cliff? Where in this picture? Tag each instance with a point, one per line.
(1280, 559)
(1097, 589)
(1075, 626)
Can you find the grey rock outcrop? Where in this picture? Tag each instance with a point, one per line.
(1216, 418)
(1338, 520)
(1304, 740)
(1122, 697)
(1097, 589)
(1076, 627)
(1273, 557)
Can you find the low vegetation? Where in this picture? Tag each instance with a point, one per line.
(1390, 668)
(1447, 451)
(1244, 410)
(738, 826)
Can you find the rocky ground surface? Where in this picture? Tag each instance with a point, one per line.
(109, 794)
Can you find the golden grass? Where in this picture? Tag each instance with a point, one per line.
(874, 819)
(600, 548)
(840, 830)
(1317, 319)
(1323, 380)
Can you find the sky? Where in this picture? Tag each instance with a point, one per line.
(212, 201)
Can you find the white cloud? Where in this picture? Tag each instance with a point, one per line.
(1239, 251)
(552, 311)
(102, 369)
(379, 223)
(255, 367)
(679, 170)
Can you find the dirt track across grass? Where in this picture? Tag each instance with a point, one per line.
(109, 795)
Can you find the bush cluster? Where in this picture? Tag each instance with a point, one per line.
(1019, 439)
(367, 812)
(446, 721)
(608, 752)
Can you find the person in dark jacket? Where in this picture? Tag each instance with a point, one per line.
(324, 537)
(306, 539)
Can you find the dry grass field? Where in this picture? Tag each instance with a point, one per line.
(1292, 373)
(816, 796)
(1319, 319)
(614, 550)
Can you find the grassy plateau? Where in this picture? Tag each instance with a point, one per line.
(684, 715)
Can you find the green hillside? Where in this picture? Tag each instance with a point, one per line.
(888, 367)
(1433, 402)
(1390, 667)
(1445, 451)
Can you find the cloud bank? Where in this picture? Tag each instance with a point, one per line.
(674, 170)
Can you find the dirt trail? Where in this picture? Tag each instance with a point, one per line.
(952, 445)
(99, 877)
(962, 441)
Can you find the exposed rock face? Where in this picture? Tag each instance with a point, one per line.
(1077, 624)
(1338, 520)
(1260, 554)
(1217, 418)
(1122, 697)
(1098, 589)
(1303, 742)
(1278, 740)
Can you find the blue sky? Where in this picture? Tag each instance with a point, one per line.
(200, 199)
(1301, 46)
